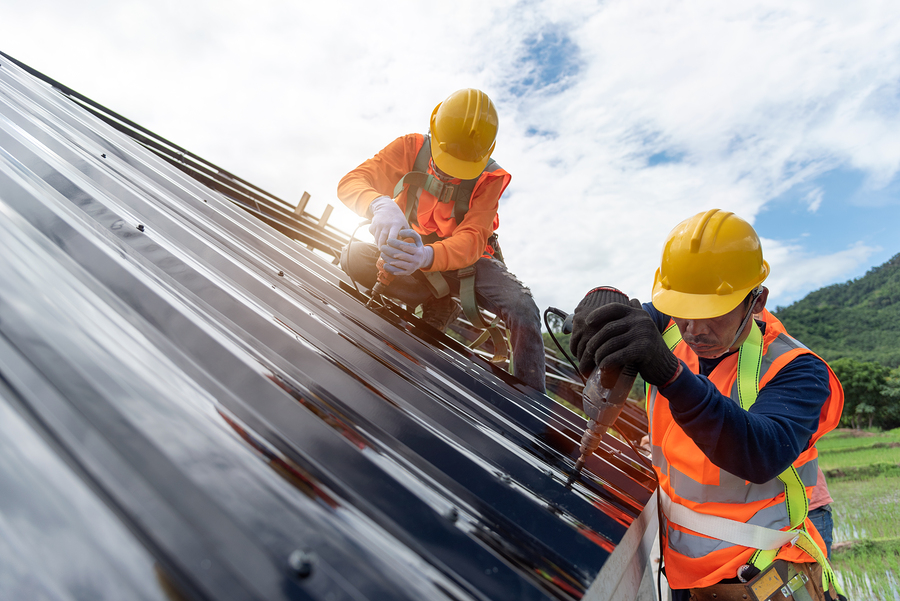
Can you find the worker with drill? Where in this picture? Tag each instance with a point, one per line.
(433, 202)
(735, 408)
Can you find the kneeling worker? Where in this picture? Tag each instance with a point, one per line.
(433, 202)
(735, 408)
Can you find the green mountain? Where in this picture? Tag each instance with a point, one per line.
(859, 319)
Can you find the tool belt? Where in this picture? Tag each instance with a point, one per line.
(781, 581)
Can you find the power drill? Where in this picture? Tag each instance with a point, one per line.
(603, 397)
(383, 279)
(381, 282)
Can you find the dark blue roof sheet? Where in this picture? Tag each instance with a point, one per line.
(195, 405)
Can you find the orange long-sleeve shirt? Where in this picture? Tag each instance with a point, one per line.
(463, 243)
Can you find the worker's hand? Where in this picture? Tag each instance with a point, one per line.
(597, 297)
(626, 335)
(404, 258)
(608, 329)
(387, 220)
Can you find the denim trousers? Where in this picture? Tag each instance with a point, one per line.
(821, 519)
(496, 290)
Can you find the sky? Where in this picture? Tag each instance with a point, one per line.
(618, 119)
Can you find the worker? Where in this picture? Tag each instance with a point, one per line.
(433, 202)
(735, 408)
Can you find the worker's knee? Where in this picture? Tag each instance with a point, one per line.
(358, 261)
(522, 313)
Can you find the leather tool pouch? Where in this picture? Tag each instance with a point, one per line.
(781, 581)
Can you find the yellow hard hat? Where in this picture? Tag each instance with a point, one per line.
(463, 133)
(710, 263)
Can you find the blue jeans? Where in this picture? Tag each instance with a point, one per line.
(822, 520)
(496, 290)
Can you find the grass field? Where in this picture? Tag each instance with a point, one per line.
(863, 474)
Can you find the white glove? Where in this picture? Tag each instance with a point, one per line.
(404, 258)
(387, 220)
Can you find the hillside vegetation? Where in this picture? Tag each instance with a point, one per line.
(855, 326)
(859, 319)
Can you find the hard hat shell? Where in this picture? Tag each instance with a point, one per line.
(709, 264)
(463, 133)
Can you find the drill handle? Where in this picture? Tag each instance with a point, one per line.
(605, 393)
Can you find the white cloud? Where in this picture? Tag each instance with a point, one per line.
(743, 100)
(795, 272)
(813, 199)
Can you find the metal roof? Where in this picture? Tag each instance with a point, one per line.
(195, 402)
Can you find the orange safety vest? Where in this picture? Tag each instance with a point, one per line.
(436, 209)
(690, 479)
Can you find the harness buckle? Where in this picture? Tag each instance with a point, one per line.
(446, 193)
(442, 191)
(794, 584)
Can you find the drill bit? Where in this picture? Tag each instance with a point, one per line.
(381, 283)
(576, 472)
(377, 292)
(590, 441)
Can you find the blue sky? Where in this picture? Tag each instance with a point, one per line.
(845, 212)
(618, 119)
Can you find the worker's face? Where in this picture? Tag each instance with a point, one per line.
(713, 337)
(444, 177)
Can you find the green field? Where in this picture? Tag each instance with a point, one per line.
(863, 474)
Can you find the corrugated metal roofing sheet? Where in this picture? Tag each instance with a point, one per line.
(194, 405)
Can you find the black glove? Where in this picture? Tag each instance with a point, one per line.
(592, 300)
(626, 335)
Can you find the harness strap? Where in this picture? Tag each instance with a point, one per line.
(419, 179)
(470, 308)
(443, 191)
(501, 350)
(738, 533)
(436, 282)
(672, 336)
(749, 367)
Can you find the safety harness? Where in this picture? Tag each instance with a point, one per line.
(460, 195)
(766, 541)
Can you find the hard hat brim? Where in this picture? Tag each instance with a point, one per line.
(682, 305)
(454, 167)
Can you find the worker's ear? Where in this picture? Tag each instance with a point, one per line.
(760, 303)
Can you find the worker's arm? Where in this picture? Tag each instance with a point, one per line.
(377, 176)
(758, 444)
(467, 241)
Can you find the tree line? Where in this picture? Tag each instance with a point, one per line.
(855, 327)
